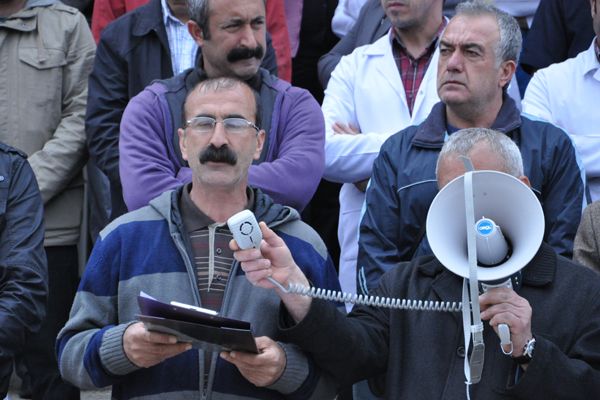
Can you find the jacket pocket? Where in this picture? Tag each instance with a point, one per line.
(42, 58)
(41, 79)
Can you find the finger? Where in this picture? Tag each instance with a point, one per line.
(233, 245)
(492, 310)
(514, 322)
(337, 127)
(520, 309)
(169, 351)
(159, 338)
(247, 254)
(260, 278)
(243, 361)
(256, 265)
(152, 354)
(499, 295)
(263, 342)
(269, 236)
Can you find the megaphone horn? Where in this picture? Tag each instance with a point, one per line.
(498, 197)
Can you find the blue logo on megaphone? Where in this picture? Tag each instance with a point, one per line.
(485, 227)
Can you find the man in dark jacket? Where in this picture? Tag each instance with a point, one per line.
(23, 271)
(555, 349)
(478, 55)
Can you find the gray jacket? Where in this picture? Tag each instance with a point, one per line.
(46, 55)
(147, 250)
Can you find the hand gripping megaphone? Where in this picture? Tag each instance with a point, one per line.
(498, 197)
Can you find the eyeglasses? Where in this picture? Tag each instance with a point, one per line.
(206, 125)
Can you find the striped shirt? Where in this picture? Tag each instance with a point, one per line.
(412, 70)
(182, 46)
(209, 242)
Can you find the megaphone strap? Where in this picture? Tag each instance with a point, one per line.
(472, 325)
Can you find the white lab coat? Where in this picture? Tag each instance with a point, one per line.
(567, 94)
(345, 16)
(366, 90)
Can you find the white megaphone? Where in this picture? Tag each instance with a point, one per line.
(504, 208)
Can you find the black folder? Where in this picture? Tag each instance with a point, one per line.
(205, 331)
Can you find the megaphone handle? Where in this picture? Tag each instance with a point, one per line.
(505, 341)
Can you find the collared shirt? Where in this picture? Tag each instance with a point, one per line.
(209, 242)
(412, 70)
(564, 94)
(182, 46)
(597, 49)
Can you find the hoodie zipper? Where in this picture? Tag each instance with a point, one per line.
(203, 383)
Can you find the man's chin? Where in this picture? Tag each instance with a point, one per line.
(245, 69)
(451, 98)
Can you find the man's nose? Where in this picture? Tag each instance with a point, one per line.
(219, 135)
(248, 37)
(455, 61)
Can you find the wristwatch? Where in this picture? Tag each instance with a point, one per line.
(527, 355)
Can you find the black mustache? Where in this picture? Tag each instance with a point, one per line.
(243, 53)
(222, 154)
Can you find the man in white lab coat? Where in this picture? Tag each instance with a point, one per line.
(566, 94)
(373, 93)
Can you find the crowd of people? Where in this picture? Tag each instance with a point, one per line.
(131, 131)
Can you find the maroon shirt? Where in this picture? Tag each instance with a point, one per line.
(198, 226)
(412, 70)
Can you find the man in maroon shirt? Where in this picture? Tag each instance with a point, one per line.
(374, 92)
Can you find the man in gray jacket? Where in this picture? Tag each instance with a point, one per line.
(45, 58)
(177, 248)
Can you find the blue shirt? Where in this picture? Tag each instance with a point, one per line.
(182, 46)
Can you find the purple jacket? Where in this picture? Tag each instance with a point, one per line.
(289, 169)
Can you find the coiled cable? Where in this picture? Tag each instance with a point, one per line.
(375, 301)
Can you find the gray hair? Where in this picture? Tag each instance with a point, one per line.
(199, 11)
(462, 142)
(511, 40)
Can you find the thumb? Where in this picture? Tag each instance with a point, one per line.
(263, 342)
(269, 236)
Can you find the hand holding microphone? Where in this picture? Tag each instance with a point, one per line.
(266, 260)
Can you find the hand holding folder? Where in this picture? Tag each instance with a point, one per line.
(203, 328)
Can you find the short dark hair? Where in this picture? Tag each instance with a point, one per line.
(220, 84)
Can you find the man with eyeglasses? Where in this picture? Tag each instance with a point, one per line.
(177, 248)
(231, 34)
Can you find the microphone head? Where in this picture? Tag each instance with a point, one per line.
(492, 248)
